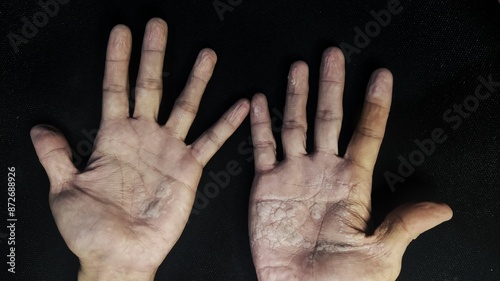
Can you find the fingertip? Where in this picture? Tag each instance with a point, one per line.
(333, 54)
(333, 50)
(422, 216)
(298, 76)
(258, 105)
(244, 102)
(35, 132)
(158, 23)
(120, 29)
(437, 208)
(382, 75)
(445, 211)
(299, 67)
(120, 43)
(41, 130)
(449, 213)
(383, 70)
(380, 87)
(205, 64)
(245, 105)
(156, 34)
(47, 138)
(259, 98)
(54, 154)
(207, 54)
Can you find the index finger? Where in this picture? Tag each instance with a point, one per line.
(367, 138)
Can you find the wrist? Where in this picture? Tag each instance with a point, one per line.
(279, 273)
(114, 274)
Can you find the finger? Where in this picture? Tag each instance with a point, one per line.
(186, 105)
(367, 138)
(207, 144)
(115, 84)
(263, 141)
(295, 122)
(149, 86)
(407, 222)
(55, 155)
(329, 112)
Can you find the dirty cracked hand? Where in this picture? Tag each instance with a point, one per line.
(125, 211)
(309, 213)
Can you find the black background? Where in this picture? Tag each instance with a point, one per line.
(436, 51)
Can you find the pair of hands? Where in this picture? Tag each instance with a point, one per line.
(308, 214)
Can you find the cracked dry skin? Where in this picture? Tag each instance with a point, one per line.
(311, 224)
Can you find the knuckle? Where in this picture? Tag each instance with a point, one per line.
(262, 123)
(264, 144)
(369, 132)
(187, 106)
(328, 115)
(214, 138)
(114, 88)
(150, 84)
(293, 125)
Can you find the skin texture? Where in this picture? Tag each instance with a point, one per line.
(309, 214)
(123, 213)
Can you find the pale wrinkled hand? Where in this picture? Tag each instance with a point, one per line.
(309, 213)
(129, 206)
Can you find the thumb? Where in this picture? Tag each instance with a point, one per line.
(408, 221)
(55, 155)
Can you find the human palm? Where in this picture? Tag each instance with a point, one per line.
(309, 215)
(135, 196)
(127, 209)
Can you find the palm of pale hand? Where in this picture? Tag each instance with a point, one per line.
(135, 196)
(126, 210)
(309, 213)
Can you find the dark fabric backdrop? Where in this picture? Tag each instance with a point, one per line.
(436, 50)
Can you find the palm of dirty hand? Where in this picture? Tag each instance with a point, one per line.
(312, 225)
(129, 206)
(309, 214)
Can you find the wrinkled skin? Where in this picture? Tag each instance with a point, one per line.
(309, 214)
(123, 213)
